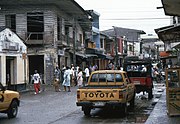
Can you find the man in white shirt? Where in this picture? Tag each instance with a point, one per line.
(37, 81)
(87, 73)
(144, 69)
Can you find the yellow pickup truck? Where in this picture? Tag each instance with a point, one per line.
(106, 88)
(9, 101)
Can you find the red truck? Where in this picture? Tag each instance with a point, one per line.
(142, 78)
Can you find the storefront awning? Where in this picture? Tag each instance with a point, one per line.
(85, 55)
(90, 55)
(175, 45)
(80, 54)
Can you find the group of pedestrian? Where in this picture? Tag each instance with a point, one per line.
(67, 76)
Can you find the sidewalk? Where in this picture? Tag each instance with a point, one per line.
(43, 87)
(159, 113)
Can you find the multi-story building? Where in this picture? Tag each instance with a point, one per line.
(151, 46)
(96, 44)
(54, 32)
(126, 43)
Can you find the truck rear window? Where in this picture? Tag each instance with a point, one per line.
(104, 77)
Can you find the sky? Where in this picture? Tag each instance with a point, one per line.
(132, 14)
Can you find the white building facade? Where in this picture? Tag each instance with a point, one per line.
(13, 69)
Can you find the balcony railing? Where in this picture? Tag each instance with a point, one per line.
(35, 37)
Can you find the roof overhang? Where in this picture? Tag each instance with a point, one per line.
(169, 33)
(171, 7)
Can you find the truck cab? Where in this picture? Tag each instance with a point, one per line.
(9, 102)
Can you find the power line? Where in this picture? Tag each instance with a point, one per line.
(135, 18)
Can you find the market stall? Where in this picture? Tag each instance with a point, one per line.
(173, 91)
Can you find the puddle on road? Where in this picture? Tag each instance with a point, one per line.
(141, 119)
(140, 113)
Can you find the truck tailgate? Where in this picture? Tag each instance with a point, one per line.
(99, 94)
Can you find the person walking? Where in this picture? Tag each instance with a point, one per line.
(72, 75)
(87, 73)
(57, 79)
(37, 81)
(67, 79)
(80, 78)
(62, 73)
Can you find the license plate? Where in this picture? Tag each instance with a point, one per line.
(136, 82)
(99, 103)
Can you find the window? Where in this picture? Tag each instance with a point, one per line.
(130, 47)
(102, 43)
(119, 78)
(80, 38)
(108, 48)
(58, 28)
(35, 25)
(102, 78)
(10, 22)
(94, 78)
(110, 77)
(67, 30)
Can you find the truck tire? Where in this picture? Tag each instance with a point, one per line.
(124, 109)
(132, 101)
(13, 109)
(87, 111)
(150, 94)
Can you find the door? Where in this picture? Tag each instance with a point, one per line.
(10, 72)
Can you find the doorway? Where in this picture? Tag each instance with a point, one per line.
(36, 62)
(10, 72)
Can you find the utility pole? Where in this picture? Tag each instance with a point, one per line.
(116, 47)
(74, 43)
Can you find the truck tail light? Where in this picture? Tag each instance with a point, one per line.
(120, 94)
(78, 94)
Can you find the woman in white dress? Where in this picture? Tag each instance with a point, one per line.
(80, 78)
(67, 79)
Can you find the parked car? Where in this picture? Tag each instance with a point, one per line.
(106, 88)
(9, 101)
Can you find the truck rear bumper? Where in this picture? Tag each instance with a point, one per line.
(99, 104)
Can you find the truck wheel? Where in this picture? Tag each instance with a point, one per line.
(132, 102)
(124, 109)
(150, 94)
(13, 109)
(87, 111)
